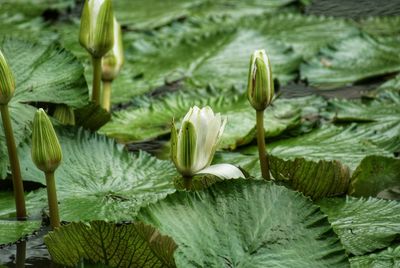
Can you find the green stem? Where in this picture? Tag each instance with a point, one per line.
(263, 155)
(106, 95)
(52, 200)
(20, 255)
(96, 62)
(14, 164)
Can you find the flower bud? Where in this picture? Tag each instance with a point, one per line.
(114, 59)
(260, 88)
(7, 83)
(46, 150)
(96, 32)
(64, 114)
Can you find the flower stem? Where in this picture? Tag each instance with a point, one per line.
(106, 95)
(261, 146)
(96, 62)
(14, 164)
(52, 200)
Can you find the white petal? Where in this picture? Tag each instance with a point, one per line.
(223, 171)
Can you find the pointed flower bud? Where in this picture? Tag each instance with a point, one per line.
(260, 88)
(46, 150)
(96, 32)
(114, 59)
(7, 83)
(64, 114)
(194, 146)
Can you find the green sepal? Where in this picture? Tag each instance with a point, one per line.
(7, 82)
(187, 147)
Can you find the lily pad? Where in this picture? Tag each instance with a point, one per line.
(240, 223)
(377, 176)
(348, 144)
(315, 179)
(380, 26)
(44, 74)
(363, 225)
(155, 14)
(154, 119)
(389, 257)
(114, 245)
(352, 60)
(12, 230)
(306, 34)
(97, 179)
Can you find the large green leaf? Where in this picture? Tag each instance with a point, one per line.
(351, 60)
(115, 245)
(315, 179)
(12, 230)
(154, 119)
(387, 258)
(348, 144)
(137, 14)
(43, 74)
(363, 225)
(383, 115)
(208, 51)
(306, 34)
(97, 179)
(377, 176)
(246, 224)
(380, 26)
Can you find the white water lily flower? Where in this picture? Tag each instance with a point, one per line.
(194, 146)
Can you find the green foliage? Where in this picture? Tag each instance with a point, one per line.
(44, 74)
(99, 180)
(154, 117)
(240, 223)
(352, 60)
(380, 26)
(363, 225)
(314, 179)
(12, 230)
(306, 34)
(115, 245)
(387, 258)
(377, 176)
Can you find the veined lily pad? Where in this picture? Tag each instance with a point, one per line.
(306, 34)
(346, 144)
(240, 223)
(351, 60)
(380, 26)
(123, 245)
(315, 179)
(154, 14)
(97, 179)
(377, 176)
(363, 225)
(389, 257)
(155, 119)
(45, 74)
(12, 230)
